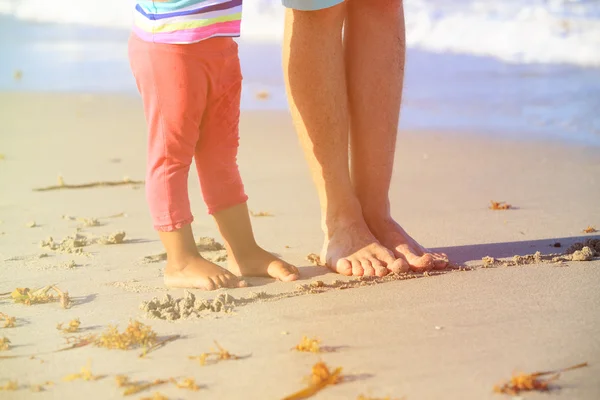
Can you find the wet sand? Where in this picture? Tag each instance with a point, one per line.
(453, 335)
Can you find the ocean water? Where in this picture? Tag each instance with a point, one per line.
(519, 68)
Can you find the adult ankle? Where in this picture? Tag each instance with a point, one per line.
(333, 223)
(376, 211)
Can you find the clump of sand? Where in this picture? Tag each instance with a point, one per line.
(186, 307)
(74, 244)
(113, 238)
(68, 265)
(191, 307)
(585, 254)
(578, 252)
(208, 244)
(69, 245)
(593, 244)
(85, 222)
(314, 259)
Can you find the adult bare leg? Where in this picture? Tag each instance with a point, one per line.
(313, 59)
(374, 56)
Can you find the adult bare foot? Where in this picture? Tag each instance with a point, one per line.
(395, 238)
(198, 273)
(256, 261)
(352, 250)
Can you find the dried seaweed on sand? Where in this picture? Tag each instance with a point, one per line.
(39, 296)
(159, 343)
(9, 386)
(263, 95)
(187, 383)
(320, 378)
(590, 229)
(63, 185)
(77, 342)
(9, 322)
(118, 215)
(219, 354)
(135, 335)
(308, 345)
(4, 344)
(532, 382)
(132, 387)
(261, 214)
(499, 205)
(72, 327)
(85, 374)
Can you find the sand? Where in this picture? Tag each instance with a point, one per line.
(451, 335)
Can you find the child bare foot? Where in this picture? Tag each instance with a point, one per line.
(259, 262)
(246, 258)
(199, 273)
(187, 269)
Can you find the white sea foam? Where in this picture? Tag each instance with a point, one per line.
(520, 31)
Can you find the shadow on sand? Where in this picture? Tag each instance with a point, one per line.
(475, 252)
(459, 255)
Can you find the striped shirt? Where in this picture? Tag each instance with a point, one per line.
(186, 21)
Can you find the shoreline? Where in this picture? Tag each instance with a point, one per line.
(443, 91)
(265, 109)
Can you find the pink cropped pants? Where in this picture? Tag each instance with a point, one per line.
(191, 95)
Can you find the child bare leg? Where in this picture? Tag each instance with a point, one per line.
(220, 180)
(174, 83)
(245, 257)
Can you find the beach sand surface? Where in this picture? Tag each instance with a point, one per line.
(446, 336)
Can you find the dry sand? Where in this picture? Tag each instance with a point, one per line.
(452, 335)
